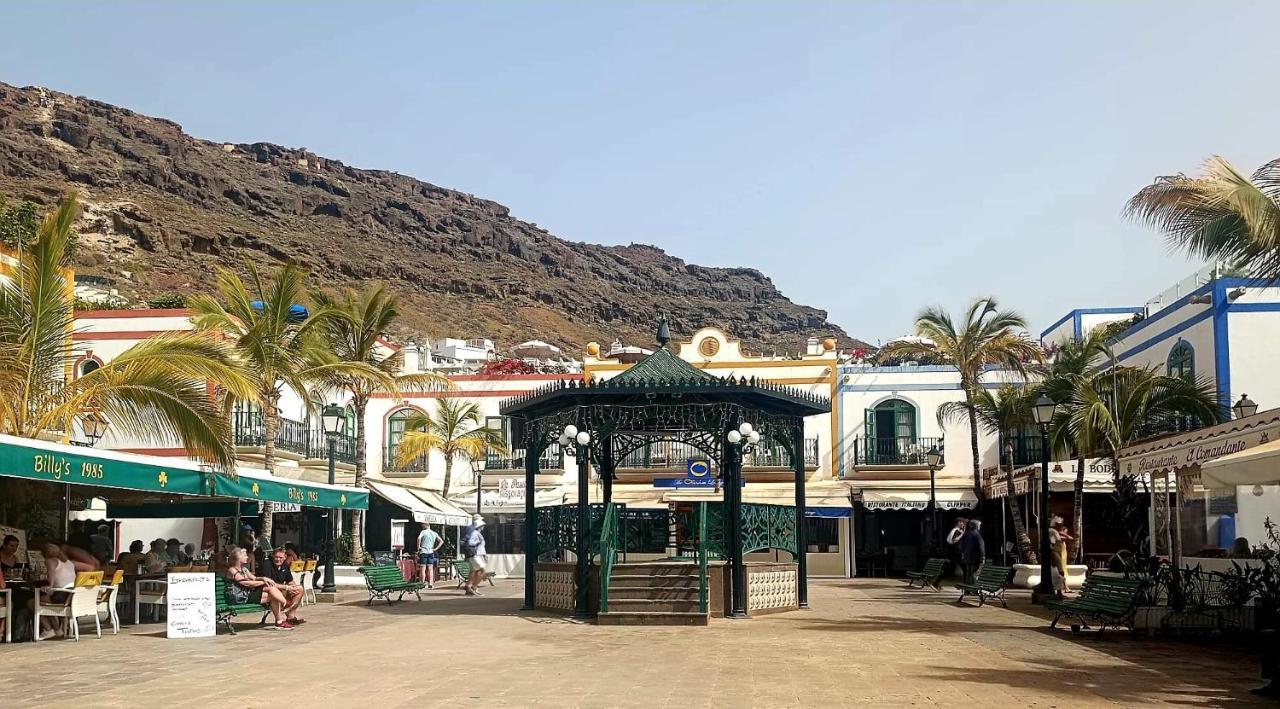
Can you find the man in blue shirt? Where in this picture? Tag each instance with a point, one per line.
(473, 549)
(429, 544)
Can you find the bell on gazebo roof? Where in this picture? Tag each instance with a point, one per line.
(664, 332)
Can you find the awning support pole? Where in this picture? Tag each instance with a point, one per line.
(802, 547)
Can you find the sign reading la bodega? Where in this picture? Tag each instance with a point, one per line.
(40, 460)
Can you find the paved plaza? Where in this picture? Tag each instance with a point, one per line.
(864, 642)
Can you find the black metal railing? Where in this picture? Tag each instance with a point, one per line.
(292, 436)
(676, 454)
(1026, 450)
(893, 450)
(551, 459)
(417, 465)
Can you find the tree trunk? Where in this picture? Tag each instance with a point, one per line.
(270, 424)
(973, 446)
(448, 472)
(1026, 550)
(1078, 529)
(358, 405)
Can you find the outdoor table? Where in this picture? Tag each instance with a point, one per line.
(131, 583)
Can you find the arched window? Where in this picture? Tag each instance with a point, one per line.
(88, 366)
(892, 418)
(395, 430)
(349, 422)
(1182, 360)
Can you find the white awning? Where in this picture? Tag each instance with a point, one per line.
(1196, 448)
(1255, 466)
(415, 501)
(1062, 478)
(916, 499)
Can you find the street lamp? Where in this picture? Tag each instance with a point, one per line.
(94, 425)
(742, 441)
(1245, 407)
(477, 469)
(332, 418)
(576, 443)
(1042, 412)
(934, 458)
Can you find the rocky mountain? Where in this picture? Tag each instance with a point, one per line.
(164, 208)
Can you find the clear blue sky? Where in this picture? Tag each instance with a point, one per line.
(870, 157)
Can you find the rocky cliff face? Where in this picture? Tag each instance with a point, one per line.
(163, 209)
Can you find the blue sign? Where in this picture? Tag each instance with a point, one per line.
(697, 473)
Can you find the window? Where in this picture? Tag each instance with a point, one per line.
(395, 430)
(90, 365)
(503, 533)
(1182, 361)
(893, 418)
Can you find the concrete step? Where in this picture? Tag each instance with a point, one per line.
(656, 569)
(633, 618)
(629, 581)
(675, 593)
(652, 605)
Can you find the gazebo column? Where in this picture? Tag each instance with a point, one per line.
(733, 501)
(582, 580)
(802, 545)
(531, 455)
(607, 466)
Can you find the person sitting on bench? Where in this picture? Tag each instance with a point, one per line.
(279, 571)
(244, 587)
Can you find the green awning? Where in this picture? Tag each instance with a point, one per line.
(268, 488)
(195, 508)
(58, 463)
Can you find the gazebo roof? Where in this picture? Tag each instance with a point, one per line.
(661, 366)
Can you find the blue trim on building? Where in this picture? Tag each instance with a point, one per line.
(1076, 330)
(1055, 325)
(1254, 307)
(1157, 339)
(1222, 347)
(1076, 316)
(848, 388)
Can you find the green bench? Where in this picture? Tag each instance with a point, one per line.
(991, 582)
(384, 580)
(930, 574)
(1105, 600)
(462, 570)
(224, 611)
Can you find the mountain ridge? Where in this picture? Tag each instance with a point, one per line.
(162, 208)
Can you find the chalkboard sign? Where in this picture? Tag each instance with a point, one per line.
(191, 606)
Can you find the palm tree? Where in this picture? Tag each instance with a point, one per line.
(1222, 215)
(1002, 413)
(155, 390)
(355, 337)
(986, 336)
(1111, 411)
(1070, 362)
(455, 431)
(280, 344)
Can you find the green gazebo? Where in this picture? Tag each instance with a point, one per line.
(660, 397)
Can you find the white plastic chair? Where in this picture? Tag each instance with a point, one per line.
(150, 593)
(82, 602)
(309, 588)
(298, 571)
(6, 596)
(108, 596)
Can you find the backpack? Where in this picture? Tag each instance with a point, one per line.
(468, 549)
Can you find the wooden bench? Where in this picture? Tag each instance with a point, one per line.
(930, 574)
(384, 580)
(225, 611)
(462, 570)
(1106, 600)
(991, 582)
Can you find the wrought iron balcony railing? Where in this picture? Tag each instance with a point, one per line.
(893, 450)
(676, 454)
(417, 465)
(292, 436)
(551, 459)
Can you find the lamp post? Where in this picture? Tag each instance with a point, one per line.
(1042, 411)
(332, 418)
(477, 469)
(934, 458)
(1244, 407)
(94, 425)
(577, 442)
(741, 442)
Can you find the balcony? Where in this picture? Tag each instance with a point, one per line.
(292, 436)
(551, 459)
(1026, 450)
(900, 450)
(417, 465)
(669, 454)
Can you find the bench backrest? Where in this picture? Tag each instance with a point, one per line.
(933, 567)
(382, 575)
(993, 577)
(1111, 593)
(220, 592)
(463, 568)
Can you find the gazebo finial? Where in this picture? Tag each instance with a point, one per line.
(664, 332)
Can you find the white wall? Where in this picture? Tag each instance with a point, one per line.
(1252, 512)
(1156, 344)
(1252, 338)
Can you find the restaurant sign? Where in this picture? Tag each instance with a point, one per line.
(291, 492)
(58, 463)
(1199, 447)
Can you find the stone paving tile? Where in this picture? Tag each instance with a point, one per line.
(864, 643)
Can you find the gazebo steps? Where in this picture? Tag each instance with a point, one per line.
(663, 593)
(652, 605)
(620, 581)
(651, 618)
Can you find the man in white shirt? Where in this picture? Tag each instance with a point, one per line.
(428, 544)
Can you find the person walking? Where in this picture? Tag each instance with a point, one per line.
(973, 550)
(1059, 535)
(429, 544)
(474, 551)
(953, 545)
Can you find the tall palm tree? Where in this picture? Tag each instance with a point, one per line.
(986, 335)
(155, 390)
(1071, 361)
(456, 431)
(279, 344)
(1221, 215)
(355, 337)
(1002, 412)
(1112, 411)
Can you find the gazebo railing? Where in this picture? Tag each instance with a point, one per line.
(702, 558)
(608, 552)
(665, 453)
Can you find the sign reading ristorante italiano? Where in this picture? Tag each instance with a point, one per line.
(64, 464)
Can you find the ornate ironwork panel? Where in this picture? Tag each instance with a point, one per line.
(768, 527)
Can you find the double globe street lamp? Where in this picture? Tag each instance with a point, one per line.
(742, 441)
(576, 443)
(332, 417)
(1042, 412)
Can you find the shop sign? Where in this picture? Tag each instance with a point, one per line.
(58, 465)
(1197, 452)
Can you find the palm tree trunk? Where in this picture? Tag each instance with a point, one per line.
(1078, 529)
(270, 424)
(1026, 550)
(973, 445)
(448, 471)
(358, 405)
